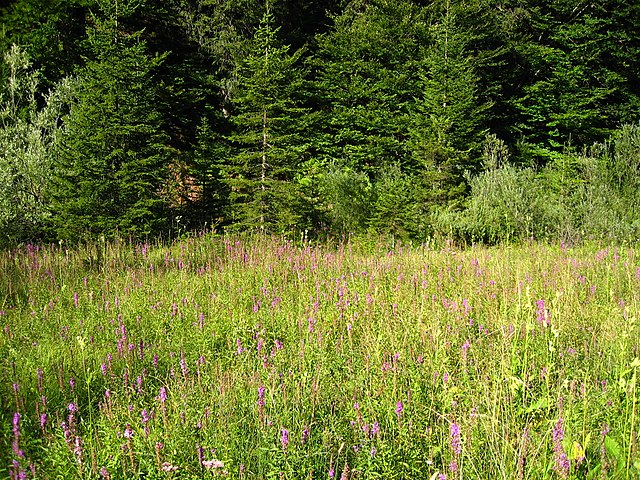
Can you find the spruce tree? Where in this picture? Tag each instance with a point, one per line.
(266, 141)
(112, 158)
(582, 63)
(446, 128)
(367, 78)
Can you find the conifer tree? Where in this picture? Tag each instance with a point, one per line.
(112, 159)
(266, 140)
(446, 131)
(367, 79)
(582, 63)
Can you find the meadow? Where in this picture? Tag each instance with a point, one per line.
(263, 358)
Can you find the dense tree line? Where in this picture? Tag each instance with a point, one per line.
(481, 119)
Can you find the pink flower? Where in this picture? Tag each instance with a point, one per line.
(167, 467)
(212, 464)
(456, 443)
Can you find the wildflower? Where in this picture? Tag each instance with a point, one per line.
(210, 464)
(375, 428)
(373, 452)
(542, 314)
(183, 366)
(399, 409)
(284, 438)
(128, 432)
(455, 441)
(16, 435)
(40, 375)
(562, 465)
(77, 450)
(162, 395)
(167, 467)
(465, 349)
(305, 434)
(345, 472)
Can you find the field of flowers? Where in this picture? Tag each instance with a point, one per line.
(262, 358)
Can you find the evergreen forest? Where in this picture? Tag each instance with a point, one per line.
(484, 120)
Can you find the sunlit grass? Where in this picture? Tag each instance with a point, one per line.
(263, 359)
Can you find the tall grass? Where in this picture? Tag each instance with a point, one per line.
(263, 359)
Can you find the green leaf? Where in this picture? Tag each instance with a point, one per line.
(613, 448)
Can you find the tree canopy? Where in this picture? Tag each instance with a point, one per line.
(142, 118)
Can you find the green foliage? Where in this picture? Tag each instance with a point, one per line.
(504, 204)
(267, 144)
(579, 79)
(367, 80)
(112, 157)
(575, 197)
(27, 138)
(397, 364)
(50, 31)
(194, 113)
(349, 197)
(396, 207)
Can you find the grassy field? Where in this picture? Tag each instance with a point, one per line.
(265, 359)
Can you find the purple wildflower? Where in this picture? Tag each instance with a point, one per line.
(16, 435)
(562, 465)
(162, 396)
(542, 314)
(284, 438)
(43, 420)
(455, 441)
(399, 409)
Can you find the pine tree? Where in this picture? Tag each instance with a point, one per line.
(582, 82)
(267, 145)
(367, 79)
(446, 124)
(112, 157)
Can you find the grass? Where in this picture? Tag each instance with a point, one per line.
(225, 357)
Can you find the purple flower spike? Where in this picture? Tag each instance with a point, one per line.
(399, 408)
(456, 443)
(284, 438)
